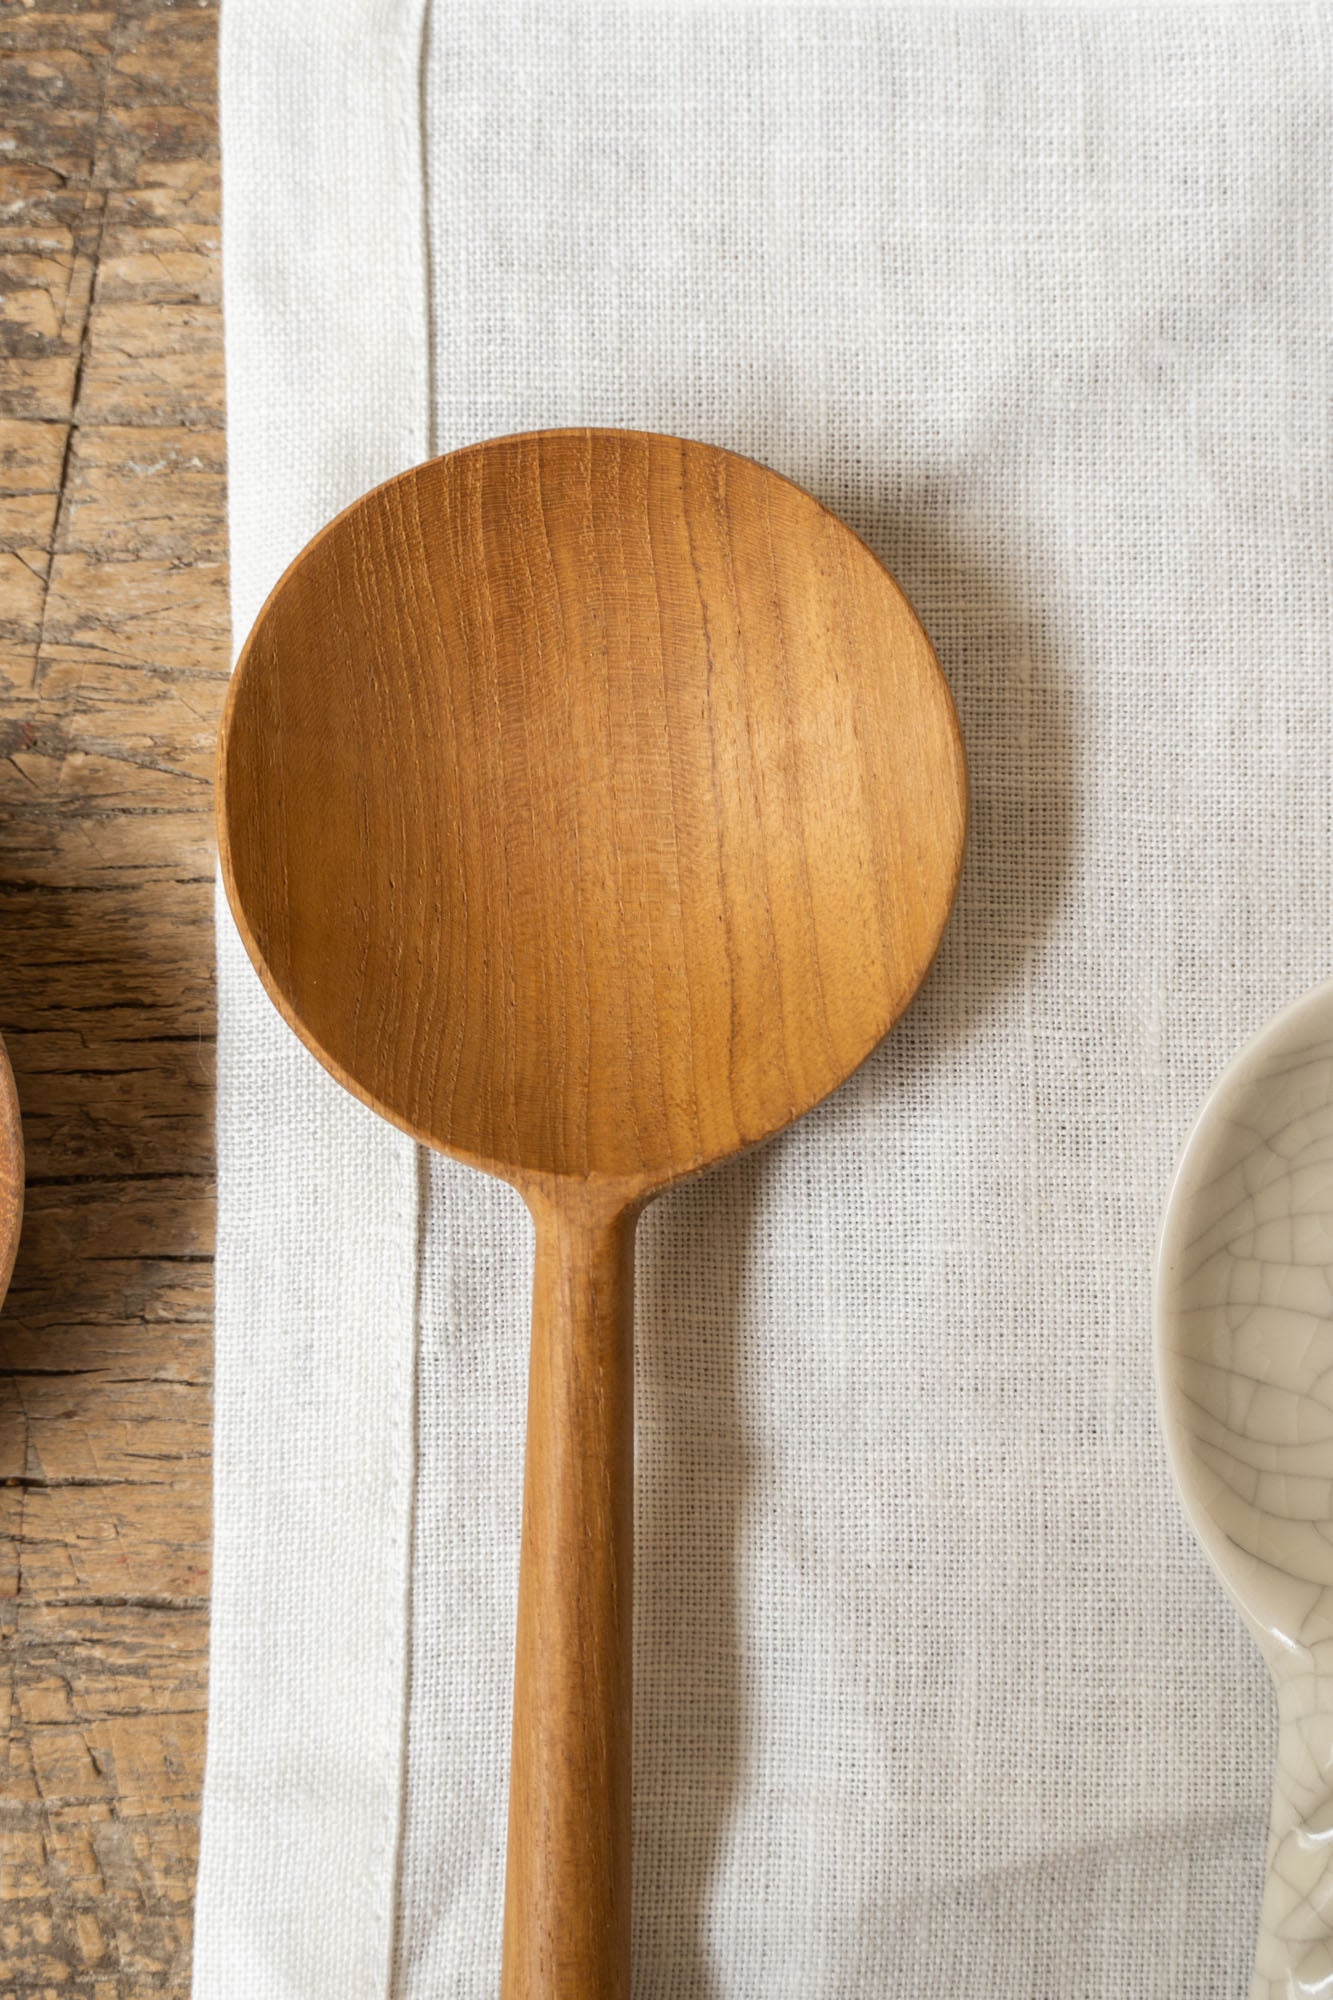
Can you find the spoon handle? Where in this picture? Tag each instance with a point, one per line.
(1294, 1960)
(567, 1882)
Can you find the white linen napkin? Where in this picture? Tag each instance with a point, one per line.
(934, 1694)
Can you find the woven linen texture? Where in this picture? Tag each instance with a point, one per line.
(934, 1694)
(318, 1206)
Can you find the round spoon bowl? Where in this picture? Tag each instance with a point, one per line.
(591, 803)
(1245, 1328)
(1244, 1342)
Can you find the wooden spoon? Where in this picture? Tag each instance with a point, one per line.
(590, 803)
(11, 1172)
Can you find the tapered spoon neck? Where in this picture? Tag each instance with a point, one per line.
(569, 1206)
(1294, 1959)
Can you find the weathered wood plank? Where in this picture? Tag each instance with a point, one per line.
(113, 656)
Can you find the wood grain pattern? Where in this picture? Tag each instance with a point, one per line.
(113, 660)
(591, 803)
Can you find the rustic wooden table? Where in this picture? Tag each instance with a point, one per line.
(114, 627)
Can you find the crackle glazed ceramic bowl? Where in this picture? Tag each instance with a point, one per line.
(1243, 1315)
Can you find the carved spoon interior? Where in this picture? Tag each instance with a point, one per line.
(1244, 1322)
(590, 803)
